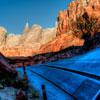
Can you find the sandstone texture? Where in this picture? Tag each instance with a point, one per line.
(3, 32)
(26, 44)
(81, 17)
(61, 42)
(32, 36)
(47, 35)
(26, 29)
(89, 44)
(13, 40)
(76, 10)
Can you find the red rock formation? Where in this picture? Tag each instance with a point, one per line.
(17, 51)
(75, 10)
(61, 42)
(82, 16)
(26, 44)
(72, 24)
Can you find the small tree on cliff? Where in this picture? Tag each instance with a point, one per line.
(88, 24)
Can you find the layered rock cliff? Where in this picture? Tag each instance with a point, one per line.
(3, 32)
(81, 17)
(77, 10)
(27, 43)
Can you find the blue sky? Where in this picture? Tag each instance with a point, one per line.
(14, 14)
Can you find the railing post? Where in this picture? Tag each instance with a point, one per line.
(24, 69)
(44, 92)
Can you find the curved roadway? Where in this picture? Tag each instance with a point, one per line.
(77, 78)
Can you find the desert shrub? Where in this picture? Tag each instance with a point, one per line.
(87, 24)
(34, 53)
(34, 94)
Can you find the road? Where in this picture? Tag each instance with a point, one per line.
(76, 78)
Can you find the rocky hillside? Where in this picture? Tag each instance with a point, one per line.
(25, 44)
(81, 17)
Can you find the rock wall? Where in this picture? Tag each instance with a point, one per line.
(72, 24)
(13, 40)
(3, 32)
(26, 44)
(75, 10)
(82, 16)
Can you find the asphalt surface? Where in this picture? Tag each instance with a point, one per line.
(69, 79)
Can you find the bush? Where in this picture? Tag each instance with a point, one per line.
(87, 24)
(35, 53)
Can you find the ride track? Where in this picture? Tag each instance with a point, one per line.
(77, 78)
(77, 72)
(86, 74)
(52, 83)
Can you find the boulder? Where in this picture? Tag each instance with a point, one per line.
(5, 68)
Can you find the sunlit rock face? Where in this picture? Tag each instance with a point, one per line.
(32, 35)
(3, 32)
(13, 40)
(27, 43)
(26, 29)
(61, 42)
(47, 35)
(72, 24)
(75, 10)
